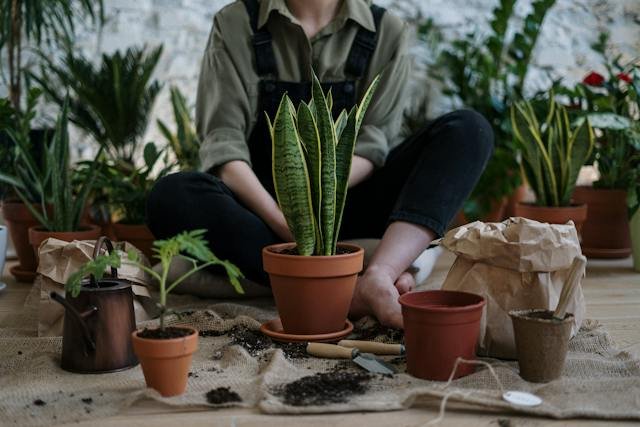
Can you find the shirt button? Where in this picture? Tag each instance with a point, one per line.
(348, 88)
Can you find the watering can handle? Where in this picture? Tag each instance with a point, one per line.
(90, 343)
(103, 241)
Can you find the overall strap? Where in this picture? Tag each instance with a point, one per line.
(364, 45)
(261, 40)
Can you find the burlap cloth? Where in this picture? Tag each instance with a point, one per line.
(599, 381)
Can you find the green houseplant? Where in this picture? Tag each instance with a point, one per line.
(164, 353)
(314, 278)
(185, 142)
(486, 71)
(552, 155)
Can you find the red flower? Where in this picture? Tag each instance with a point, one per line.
(625, 77)
(593, 79)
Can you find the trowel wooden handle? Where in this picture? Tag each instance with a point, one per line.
(329, 351)
(569, 287)
(374, 347)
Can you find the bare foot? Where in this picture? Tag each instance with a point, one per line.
(405, 283)
(376, 295)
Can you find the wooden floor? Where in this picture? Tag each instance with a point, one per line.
(612, 291)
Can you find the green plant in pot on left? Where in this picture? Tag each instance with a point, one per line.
(553, 152)
(164, 353)
(314, 278)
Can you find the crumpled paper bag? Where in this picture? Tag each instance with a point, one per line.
(59, 259)
(517, 264)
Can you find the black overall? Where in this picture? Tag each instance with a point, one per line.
(424, 180)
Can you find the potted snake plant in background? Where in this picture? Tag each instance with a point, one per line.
(165, 352)
(610, 102)
(313, 278)
(552, 155)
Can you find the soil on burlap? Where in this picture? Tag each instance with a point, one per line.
(324, 388)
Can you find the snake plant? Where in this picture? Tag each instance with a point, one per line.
(311, 160)
(552, 151)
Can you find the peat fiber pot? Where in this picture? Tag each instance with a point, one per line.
(138, 235)
(605, 233)
(635, 240)
(439, 327)
(37, 235)
(312, 293)
(541, 344)
(19, 219)
(166, 361)
(554, 215)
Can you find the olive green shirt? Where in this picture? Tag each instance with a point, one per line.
(227, 100)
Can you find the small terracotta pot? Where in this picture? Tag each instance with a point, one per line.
(554, 215)
(37, 235)
(138, 235)
(635, 240)
(439, 327)
(312, 293)
(605, 233)
(166, 363)
(19, 219)
(541, 343)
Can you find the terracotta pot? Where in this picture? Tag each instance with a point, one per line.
(37, 235)
(635, 240)
(312, 293)
(439, 327)
(19, 219)
(138, 235)
(541, 344)
(554, 215)
(166, 363)
(605, 233)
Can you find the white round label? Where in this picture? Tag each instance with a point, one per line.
(522, 398)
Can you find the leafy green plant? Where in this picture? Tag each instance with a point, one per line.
(486, 72)
(312, 156)
(184, 143)
(552, 152)
(188, 245)
(111, 102)
(33, 23)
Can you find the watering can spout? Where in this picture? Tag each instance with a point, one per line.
(79, 317)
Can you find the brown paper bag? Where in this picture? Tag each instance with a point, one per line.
(516, 264)
(59, 259)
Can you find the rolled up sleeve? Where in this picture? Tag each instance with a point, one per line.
(383, 120)
(222, 107)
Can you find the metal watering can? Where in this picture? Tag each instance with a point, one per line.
(98, 324)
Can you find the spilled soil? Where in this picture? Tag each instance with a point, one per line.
(379, 333)
(166, 334)
(221, 395)
(324, 388)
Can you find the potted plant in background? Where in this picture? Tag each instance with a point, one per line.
(634, 215)
(552, 155)
(165, 353)
(314, 278)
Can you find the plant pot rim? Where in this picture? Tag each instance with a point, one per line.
(405, 301)
(271, 251)
(526, 315)
(603, 189)
(571, 206)
(194, 331)
(83, 228)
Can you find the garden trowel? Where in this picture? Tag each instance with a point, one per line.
(364, 360)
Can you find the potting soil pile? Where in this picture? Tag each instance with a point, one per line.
(235, 365)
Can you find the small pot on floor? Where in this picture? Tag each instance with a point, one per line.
(37, 235)
(138, 235)
(439, 327)
(635, 240)
(312, 293)
(19, 219)
(165, 357)
(541, 343)
(554, 214)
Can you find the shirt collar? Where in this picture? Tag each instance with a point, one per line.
(356, 10)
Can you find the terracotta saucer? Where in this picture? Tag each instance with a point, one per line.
(273, 329)
(22, 275)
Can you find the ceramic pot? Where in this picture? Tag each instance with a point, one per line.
(19, 219)
(541, 344)
(439, 327)
(553, 215)
(312, 293)
(635, 240)
(166, 362)
(138, 235)
(37, 235)
(605, 233)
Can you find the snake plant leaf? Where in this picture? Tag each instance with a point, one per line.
(530, 154)
(344, 156)
(341, 121)
(308, 131)
(291, 178)
(364, 103)
(328, 164)
(581, 145)
(329, 101)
